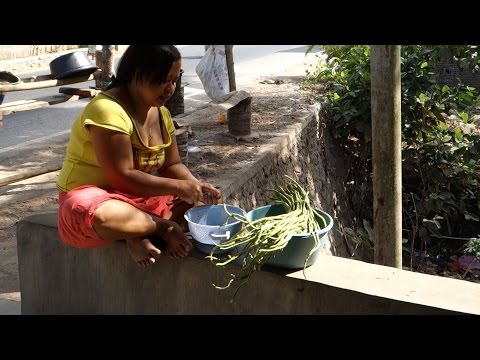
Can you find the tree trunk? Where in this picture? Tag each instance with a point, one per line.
(386, 154)
(108, 52)
(230, 67)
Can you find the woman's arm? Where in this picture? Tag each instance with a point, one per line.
(114, 155)
(173, 166)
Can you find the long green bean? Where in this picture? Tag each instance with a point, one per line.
(260, 239)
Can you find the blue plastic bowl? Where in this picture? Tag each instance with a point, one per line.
(210, 225)
(294, 254)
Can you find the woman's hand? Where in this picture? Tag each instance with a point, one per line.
(199, 191)
(211, 194)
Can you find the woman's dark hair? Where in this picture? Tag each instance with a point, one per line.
(148, 62)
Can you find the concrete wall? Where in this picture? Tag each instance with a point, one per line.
(8, 52)
(56, 279)
(20, 59)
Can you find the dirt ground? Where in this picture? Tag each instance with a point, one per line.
(276, 103)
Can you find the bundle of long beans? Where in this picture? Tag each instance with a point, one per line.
(256, 243)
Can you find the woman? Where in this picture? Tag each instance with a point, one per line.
(122, 178)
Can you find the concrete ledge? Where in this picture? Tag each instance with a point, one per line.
(57, 279)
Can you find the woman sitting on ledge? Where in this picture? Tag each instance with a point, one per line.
(122, 177)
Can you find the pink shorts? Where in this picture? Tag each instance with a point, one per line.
(76, 209)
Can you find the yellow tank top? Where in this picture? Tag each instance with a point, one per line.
(80, 166)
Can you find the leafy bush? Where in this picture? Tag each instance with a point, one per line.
(440, 171)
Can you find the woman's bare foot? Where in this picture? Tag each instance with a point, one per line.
(143, 251)
(178, 245)
(184, 226)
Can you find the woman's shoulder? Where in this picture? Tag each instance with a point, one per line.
(103, 110)
(103, 103)
(167, 118)
(164, 111)
(104, 100)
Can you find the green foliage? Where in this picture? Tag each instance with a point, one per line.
(441, 172)
(348, 94)
(464, 56)
(361, 236)
(473, 247)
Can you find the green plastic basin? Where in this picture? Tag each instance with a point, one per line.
(294, 254)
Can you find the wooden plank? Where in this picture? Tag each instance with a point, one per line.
(48, 83)
(15, 103)
(24, 105)
(212, 108)
(36, 78)
(80, 92)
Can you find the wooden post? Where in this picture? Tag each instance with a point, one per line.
(99, 64)
(240, 118)
(230, 67)
(108, 52)
(386, 154)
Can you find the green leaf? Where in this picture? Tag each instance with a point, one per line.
(458, 134)
(442, 126)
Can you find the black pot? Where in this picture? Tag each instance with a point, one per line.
(7, 78)
(72, 64)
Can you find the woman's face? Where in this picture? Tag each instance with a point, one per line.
(158, 94)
